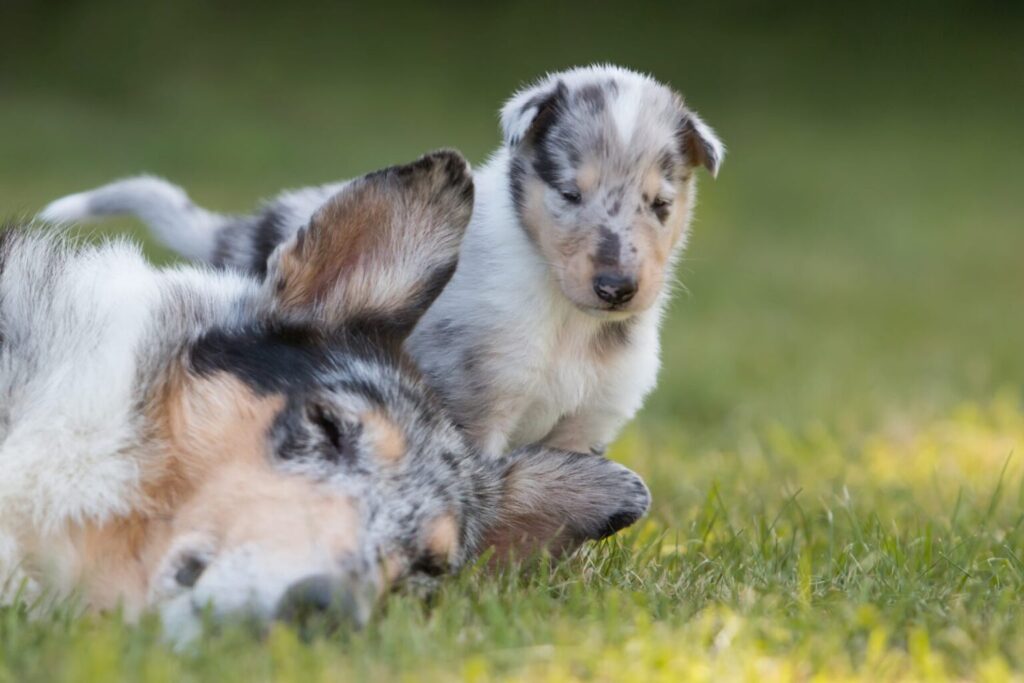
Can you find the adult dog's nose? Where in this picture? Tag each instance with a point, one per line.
(615, 289)
(322, 600)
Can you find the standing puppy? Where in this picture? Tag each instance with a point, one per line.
(548, 331)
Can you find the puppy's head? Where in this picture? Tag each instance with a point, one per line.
(310, 470)
(602, 163)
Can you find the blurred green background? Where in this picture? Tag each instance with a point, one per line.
(843, 364)
(860, 252)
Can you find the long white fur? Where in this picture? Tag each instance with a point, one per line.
(76, 331)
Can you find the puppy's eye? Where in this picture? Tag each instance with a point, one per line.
(189, 571)
(659, 203)
(572, 197)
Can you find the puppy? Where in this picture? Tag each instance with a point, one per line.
(548, 331)
(196, 440)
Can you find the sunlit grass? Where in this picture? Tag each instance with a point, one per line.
(897, 556)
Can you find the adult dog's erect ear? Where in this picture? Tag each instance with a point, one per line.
(379, 251)
(556, 500)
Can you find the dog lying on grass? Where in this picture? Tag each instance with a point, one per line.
(548, 331)
(192, 440)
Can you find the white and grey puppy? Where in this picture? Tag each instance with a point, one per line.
(189, 439)
(548, 331)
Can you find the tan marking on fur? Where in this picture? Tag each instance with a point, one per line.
(657, 243)
(217, 480)
(394, 565)
(369, 249)
(588, 176)
(200, 425)
(247, 501)
(572, 254)
(334, 243)
(568, 255)
(523, 529)
(442, 539)
(208, 420)
(571, 433)
(116, 560)
(387, 438)
(652, 184)
(219, 429)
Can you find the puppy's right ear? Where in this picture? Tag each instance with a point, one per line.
(379, 251)
(530, 112)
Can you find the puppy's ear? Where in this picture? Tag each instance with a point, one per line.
(699, 143)
(530, 112)
(379, 251)
(556, 500)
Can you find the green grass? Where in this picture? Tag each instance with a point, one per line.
(835, 448)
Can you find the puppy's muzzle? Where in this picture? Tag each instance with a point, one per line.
(615, 289)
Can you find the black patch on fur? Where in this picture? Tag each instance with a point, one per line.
(548, 112)
(592, 97)
(446, 332)
(612, 336)
(392, 327)
(545, 167)
(609, 248)
(661, 211)
(454, 169)
(308, 429)
(617, 522)
(516, 177)
(549, 105)
(266, 235)
(268, 360)
(667, 164)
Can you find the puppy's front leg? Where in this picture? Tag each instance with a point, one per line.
(588, 431)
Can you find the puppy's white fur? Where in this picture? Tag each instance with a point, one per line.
(546, 375)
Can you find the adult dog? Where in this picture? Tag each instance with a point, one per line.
(194, 440)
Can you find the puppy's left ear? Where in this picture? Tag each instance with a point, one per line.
(379, 251)
(556, 500)
(699, 143)
(530, 112)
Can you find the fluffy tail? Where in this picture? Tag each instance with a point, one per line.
(174, 219)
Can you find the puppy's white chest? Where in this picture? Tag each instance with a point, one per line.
(562, 385)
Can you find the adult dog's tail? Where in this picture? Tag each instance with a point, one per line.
(177, 222)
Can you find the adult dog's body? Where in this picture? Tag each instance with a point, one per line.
(548, 331)
(192, 438)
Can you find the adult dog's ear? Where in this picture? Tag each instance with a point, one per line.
(529, 113)
(699, 144)
(556, 500)
(379, 251)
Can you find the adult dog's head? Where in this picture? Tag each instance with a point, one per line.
(602, 162)
(295, 463)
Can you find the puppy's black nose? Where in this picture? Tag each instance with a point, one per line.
(321, 600)
(615, 289)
